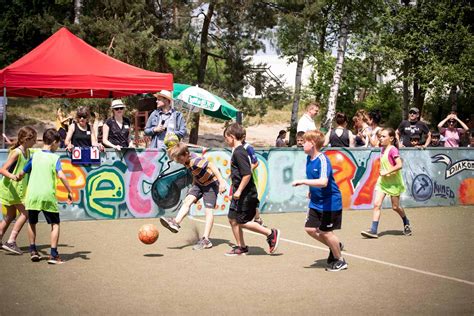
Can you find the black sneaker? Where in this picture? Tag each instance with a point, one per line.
(273, 240)
(35, 256)
(369, 234)
(331, 256)
(238, 251)
(407, 230)
(337, 265)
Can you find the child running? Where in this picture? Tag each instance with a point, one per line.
(389, 183)
(244, 198)
(325, 205)
(12, 193)
(253, 164)
(207, 183)
(43, 167)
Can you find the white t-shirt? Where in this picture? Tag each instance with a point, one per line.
(306, 123)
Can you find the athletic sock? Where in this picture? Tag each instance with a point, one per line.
(375, 227)
(13, 236)
(32, 247)
(405, 221)
(54, 252)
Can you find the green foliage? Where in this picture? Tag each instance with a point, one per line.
(386, 100)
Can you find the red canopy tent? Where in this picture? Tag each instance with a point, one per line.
(64, 66)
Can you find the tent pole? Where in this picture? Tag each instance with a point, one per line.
(4, 115)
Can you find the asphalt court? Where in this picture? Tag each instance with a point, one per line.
(108, 271)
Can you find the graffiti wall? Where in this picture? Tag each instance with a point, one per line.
(144, 183)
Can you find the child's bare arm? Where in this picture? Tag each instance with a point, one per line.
(63, 179)
(215, 170)
(11, 160)
(398, 166)
(243, 183)
(319, 183)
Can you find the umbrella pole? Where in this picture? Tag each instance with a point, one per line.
(4, 115)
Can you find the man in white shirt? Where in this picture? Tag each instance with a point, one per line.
(306, 122)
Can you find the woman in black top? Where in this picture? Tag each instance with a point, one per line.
(81, 133)
(340, 136)
(116, 130)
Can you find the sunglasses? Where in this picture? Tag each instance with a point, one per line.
(412, 112)
(118, 109)
(451, 122)
(85, 117)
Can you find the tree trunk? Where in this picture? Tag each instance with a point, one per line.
(406, 92)
(321, 49)
(336, 79)
(453, 98)
(418, 95)
(77, 11)
(296, 97)
(194, 133)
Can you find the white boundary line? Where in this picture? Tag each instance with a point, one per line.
(354, 256)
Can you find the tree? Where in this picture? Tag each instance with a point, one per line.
(298, 30)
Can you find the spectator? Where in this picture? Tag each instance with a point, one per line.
(340, 136)
(413, 126)
(306, 122)
(363, 130)
(452, 134)
(374, 120)
(80, 132)
(436, 140)
(62, 124)
(116, 130)
(280, 141)
(471, 140)
(165, 119)
(300, 139)
(415, 141)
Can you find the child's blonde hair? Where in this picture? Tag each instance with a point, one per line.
(316, 137)
(180, 149)
(24, 134)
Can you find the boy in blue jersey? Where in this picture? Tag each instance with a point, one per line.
(325, 206)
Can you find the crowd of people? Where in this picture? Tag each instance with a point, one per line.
(413, 132)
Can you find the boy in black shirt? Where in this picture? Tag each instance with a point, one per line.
(244, 198)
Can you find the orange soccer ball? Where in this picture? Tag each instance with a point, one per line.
(148, 234)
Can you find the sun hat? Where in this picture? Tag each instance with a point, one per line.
(414, 110)
(164, 94)
(117, 104)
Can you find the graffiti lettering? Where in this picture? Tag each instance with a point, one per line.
(442, 191)
(104, 190)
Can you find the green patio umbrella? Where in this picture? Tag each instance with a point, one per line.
(195, 99)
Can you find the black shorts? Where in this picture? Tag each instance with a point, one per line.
(208, 194)
(51, 218)
(325, 221)
(244, 209)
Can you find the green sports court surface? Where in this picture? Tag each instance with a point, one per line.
(108, 271)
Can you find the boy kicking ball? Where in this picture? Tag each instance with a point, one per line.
(207, 183)
(325, 206)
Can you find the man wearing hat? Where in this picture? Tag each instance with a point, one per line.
(413, 127)
(165, 119)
